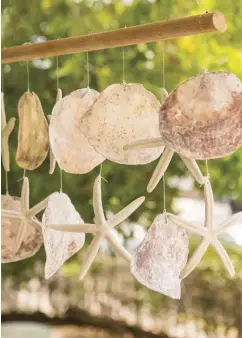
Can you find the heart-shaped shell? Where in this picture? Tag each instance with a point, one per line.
(202, 117)
(123, 113)
(32, 239)
(69, 145)
(59, 245)
(33, 137)
(160, 258)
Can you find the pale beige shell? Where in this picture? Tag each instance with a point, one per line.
(70, 147)
(33, 137)
(160, 258)
(123, 113)
(59, 245)
(32, 239)
(202, 117)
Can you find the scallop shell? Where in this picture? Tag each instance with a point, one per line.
(123, 113)
(32, 239)
(202, 117)
(59, 245)
(33, 137)
(160, 258)
(70, 147)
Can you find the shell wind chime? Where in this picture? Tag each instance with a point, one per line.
(200, 119)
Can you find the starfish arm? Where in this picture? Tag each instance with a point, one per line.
(91, 254)
(229, 222)
(223, 256)
(10, 213)
(19, 237)
(5, 146)
(38, 207)
(194, 169)
(209, 203)
(77, 228)
(160, 169)
(187, 226)
(164, 95)
(126, 212)
(35, 223)
(51, 155)
(97, 201)
(195, 259)
(117, 247)
(145, 144)
(25, 195)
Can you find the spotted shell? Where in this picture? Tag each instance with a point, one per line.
(59, 245)
(32, 239)
(70, 147)
(123, 113)
(202, 117)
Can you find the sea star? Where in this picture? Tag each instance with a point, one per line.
(26, 214)
(208, 232)
(165, 158)
(102, 228)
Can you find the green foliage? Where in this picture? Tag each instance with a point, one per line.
(31, 21)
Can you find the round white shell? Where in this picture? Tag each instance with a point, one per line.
(32, 239)
(59, 245)
(160, 258)
(202, 117)
(123, 113)
(70, 147)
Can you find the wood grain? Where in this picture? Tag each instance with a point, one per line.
(163, 30)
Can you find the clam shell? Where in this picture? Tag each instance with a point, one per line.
(160, 258)
(69, 145)
(33, 137)
(32, 239)
(123, 113)
(202, 117)
(59, 245)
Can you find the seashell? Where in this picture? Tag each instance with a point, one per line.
(160, 258)
(33, 138)
(123, 113)
(32, 238)
(69, 145)
(59, 245)
(202, 117)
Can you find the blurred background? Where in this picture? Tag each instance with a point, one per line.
(109, 302)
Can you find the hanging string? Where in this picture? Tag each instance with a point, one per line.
(164, 84)
(123, 63)
(88, 72)
(27, 76)
(207, 172)
(57, 73)
(100, 173)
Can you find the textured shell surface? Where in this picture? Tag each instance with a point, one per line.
(33, 136)
(32, 239)
(158, 261)
(202, 117)
(123, 113)
(59, 245)
(69, 145)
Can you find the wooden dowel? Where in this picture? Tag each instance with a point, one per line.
(163, 30)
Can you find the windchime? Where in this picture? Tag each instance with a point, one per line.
(201, 119)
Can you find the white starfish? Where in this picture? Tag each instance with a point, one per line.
(208, 232)
(102, 228)
(7, 129)
(165, 158)
(26, 215)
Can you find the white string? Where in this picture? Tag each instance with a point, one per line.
(88, 74)
(27, 76)
(164, 84)
(123, 63)
(57, 73)
(207, 172)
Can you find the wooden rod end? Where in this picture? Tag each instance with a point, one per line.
(219, 21)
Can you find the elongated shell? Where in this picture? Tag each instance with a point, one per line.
(70, 146)
(59, 245)
(202, 117)
(160, 258)
(32, 239)
(122, 114)
(33, 138)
